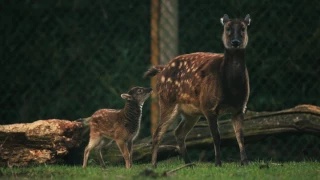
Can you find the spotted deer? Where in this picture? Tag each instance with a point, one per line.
(205, 84)
(121, 126)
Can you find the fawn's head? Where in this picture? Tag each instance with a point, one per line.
(235, 32)
(137, 94)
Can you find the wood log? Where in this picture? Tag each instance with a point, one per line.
(43, 141)
(52, 141)
(302, 119)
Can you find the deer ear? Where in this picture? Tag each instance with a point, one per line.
(126, 96)
(247, 19)
(224, 19)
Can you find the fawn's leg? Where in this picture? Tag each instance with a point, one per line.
(99, 148)
(125, 151)
(93, 142)
(130, 148)
(168, 114)
(212, 119)
(237, 122)
(99, 154)
(106, 147)
(181, 133)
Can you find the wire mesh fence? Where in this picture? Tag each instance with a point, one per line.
(66, 59)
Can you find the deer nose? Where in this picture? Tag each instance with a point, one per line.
(235, 42)
(149, 89)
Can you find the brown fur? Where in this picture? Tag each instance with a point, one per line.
(121, 126)
(205, 84)
(153, 71)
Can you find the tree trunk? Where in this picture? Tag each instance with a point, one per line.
(43, 141)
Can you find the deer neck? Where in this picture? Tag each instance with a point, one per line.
(132, 114)
(234, 70)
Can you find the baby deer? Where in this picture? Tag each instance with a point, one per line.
(205, 84)
(121, 126)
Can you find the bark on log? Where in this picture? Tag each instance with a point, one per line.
(43, 141)
(300, 119)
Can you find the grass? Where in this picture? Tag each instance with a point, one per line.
(255, 170)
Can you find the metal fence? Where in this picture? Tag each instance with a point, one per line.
(66, 59)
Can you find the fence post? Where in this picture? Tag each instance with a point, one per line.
(164, 43)
(154, 60)
(168, 30)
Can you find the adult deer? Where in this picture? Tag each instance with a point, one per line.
(205, 84)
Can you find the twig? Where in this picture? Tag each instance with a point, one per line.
(151, 173)
(1, 146)
(178, 168)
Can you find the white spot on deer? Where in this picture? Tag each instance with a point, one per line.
(185, 95)
(169, 80)
(173, 64)
(163, 79)
(177, 83)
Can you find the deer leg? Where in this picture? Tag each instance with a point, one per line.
(106, 147)
(237, 122)
(212, 119)
(167, 116)
(130, 148)
(99, 153)
(93, 142)
(181, 133)
(125, 152)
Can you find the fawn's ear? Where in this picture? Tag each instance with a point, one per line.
(224, 19)
(247, 19)
(126, 96)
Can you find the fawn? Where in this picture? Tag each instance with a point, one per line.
(121, 126)
(205, 84)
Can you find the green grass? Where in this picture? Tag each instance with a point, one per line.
(289, 170)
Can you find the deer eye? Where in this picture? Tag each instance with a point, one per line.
(243, 29)
(228, 29)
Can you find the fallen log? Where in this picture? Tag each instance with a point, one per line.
(52, 141)
(302, 119)
(43, 141)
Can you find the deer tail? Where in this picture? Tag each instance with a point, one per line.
(153, 71)
(85, 126)
(84, 121)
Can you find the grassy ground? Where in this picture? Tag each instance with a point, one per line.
(256, 170)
